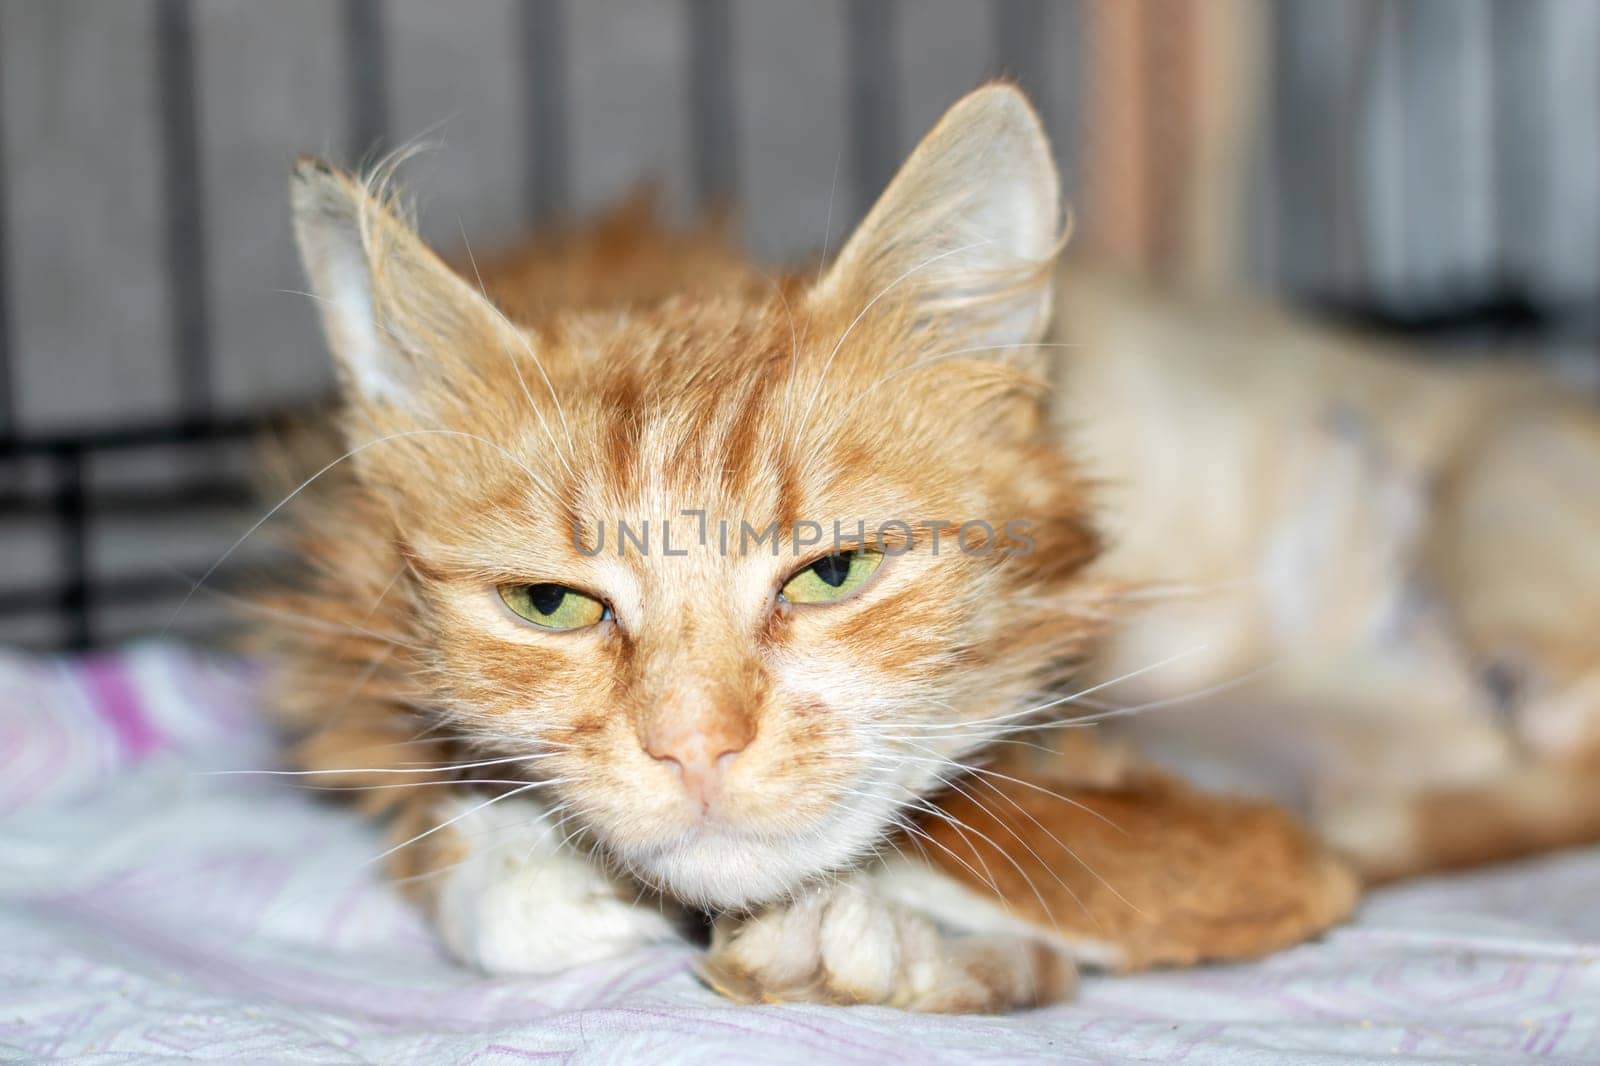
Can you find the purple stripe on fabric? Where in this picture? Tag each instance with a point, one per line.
(118, 703)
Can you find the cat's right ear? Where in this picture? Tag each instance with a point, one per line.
(393, 312)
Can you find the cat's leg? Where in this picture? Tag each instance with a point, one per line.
(899, 934)
(1133, 868)
(510, 895)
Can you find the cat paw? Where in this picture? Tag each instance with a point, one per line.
(843, 944)
(520, 903)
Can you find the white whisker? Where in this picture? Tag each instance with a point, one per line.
(1027, 711)
(443, 768)
(491, 801)
(1170, 701)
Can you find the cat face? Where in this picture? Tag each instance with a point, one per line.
(745, 571)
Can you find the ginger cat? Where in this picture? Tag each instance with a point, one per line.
(650, 585)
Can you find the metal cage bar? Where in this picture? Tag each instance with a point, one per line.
(545, 80)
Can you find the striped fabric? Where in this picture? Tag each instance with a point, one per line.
(153, 911)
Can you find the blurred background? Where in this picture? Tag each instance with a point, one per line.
(1424, 166)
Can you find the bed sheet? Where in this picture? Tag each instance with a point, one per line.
(153, 910)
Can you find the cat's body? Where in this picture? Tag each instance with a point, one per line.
(580, 738)
(1389, 569)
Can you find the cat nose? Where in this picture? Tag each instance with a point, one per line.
(701, 750)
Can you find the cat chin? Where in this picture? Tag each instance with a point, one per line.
(722, 869)
(725, 871)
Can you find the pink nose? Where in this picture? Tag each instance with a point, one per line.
(701, 751)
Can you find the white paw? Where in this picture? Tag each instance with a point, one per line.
(847, 943)
(521, 902)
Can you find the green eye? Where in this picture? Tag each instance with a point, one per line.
(832, 577)
(553, 606)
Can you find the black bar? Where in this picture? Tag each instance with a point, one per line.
(366, 79)
(187, 277)
(544, 104)
(145, 435)
(1400, 30)
(713, 122)
(116, 591)
(1511, 313)
(8, 387)
(1019, 40)
(72, 594)
(874, 141)
(1349, 214)
(155, 500)
(1519, 133)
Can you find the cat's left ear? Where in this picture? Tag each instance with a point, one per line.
(968, 229)
(394, 314)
